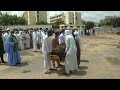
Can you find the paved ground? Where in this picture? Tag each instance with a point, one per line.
(100, 60)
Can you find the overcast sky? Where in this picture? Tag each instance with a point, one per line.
(95, 16)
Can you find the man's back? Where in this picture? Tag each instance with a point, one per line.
(55, 42)
(6, 35)
(61, 39)
(45, 44)
(70, 44)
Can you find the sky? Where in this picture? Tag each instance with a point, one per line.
(95, 16)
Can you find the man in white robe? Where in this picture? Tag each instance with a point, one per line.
(42, 35)
(86, 32)
(6, 34)
(3, 39)
(46, 52)
(39, 38)
(24, 38)
(62, 38)
(27, 41)
(16, 35)
(79, 38)
(20, 41)
(71, 50)
(35, 41)
(91, 32)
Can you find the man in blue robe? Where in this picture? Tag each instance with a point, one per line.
(12, 50)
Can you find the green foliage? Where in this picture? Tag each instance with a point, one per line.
(41, 23)
(115, 22)
(99, 25)
(7, 19)
(57, 23)
(84, 22)
(89, 25)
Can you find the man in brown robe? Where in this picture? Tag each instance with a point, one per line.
(55, 49)
(31, 40)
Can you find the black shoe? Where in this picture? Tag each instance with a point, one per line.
(52, 69)
(4, 62)
(60, 65)
(18, 63)
(65, 73)
(47, 72)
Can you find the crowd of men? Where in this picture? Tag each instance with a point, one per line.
(67, 42)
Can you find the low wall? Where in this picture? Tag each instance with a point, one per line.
(26, 26)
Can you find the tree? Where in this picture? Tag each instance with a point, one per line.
(99, 25)
(22, 21)
(4, 19)
(89, 25)
(41, 23)
(7, 19)
(115, 22)
(84, 21)
(57, 23)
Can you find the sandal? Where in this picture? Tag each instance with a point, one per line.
(47, 72)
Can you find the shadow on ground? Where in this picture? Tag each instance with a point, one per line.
(22, 64)
(82, 68)
(18, 65)
(25, 53)
(86, 61)
(113, 60)
(80, 71)
(26, 71)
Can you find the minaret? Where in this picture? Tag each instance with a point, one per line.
(28, 17)
(74, 17)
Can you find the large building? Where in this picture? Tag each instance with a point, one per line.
(32, 17)
(54, 18)
(72, 26)
(67, 17)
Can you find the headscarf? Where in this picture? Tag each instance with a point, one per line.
(68, 32)
(7, 29)
(76, 33)
(15, 43)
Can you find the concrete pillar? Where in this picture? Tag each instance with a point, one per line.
(28, 17)
(74, 17)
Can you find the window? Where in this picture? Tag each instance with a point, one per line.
(62, 27)
(71, 26)
(65, 26)
(76, 18)
(82, 26)
(78, 26)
